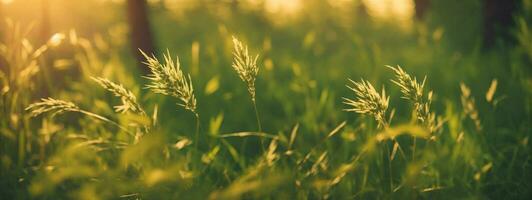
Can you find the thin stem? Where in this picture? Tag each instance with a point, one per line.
(258, 122)
(414, 150)
(389, 166)
(400, 149)
(105, 120)
(257, 115)
(382, 122)
(385, 125)
(145, 127)
(197, 130)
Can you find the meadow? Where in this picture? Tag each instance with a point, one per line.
(243, 102)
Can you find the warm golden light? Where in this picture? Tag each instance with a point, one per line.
(6, 1)
(283, 6)
(401, 11)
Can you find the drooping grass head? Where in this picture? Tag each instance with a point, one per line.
(51, 105)
(129, 100)
(168, 79)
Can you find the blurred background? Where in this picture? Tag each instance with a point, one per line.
(308, 50)
(321, 42)
(306, 47)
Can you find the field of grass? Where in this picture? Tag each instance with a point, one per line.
(241, 103)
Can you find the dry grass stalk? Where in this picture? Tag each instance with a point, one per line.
(368, 101)
(468, 102)
(129, 100)
(245, 65)
(168, 79)
(56, 106)
(412, 90)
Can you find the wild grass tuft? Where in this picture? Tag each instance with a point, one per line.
(468, 103)
(168, 79)
(245, 65)
(129, 100)
(368, 101)
(54, 106)
(314, 160)
(412, 90)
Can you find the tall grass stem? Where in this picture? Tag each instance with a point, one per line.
(258, 122)
(197, 130)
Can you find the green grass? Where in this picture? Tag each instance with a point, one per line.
(275, 129)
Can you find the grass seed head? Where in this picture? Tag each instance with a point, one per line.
(245, 65)
(168, 79)
(469, 105)
(412, 90)
(129, 101)
(410, 87)
(368, 101)
(51, 105)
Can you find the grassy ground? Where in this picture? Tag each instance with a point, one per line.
(466, 139)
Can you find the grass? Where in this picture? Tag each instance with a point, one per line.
(369, 101)
(247, 69)
(461, 131)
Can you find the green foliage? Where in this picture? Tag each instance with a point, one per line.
(82, 142)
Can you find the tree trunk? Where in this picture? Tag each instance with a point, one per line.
(234, 4)
(361, 9)
(141, 37)
(497, 16)
(421, 7)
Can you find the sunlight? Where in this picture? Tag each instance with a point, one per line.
(265, 99)
(400, 11)
(6, 1)
(288, 7)
(283, 6)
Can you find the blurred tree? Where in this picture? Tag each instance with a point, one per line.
(234, 5)
(497, 19)
(421, 7)
(141, 37)
(461, 21)
(362, 10)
